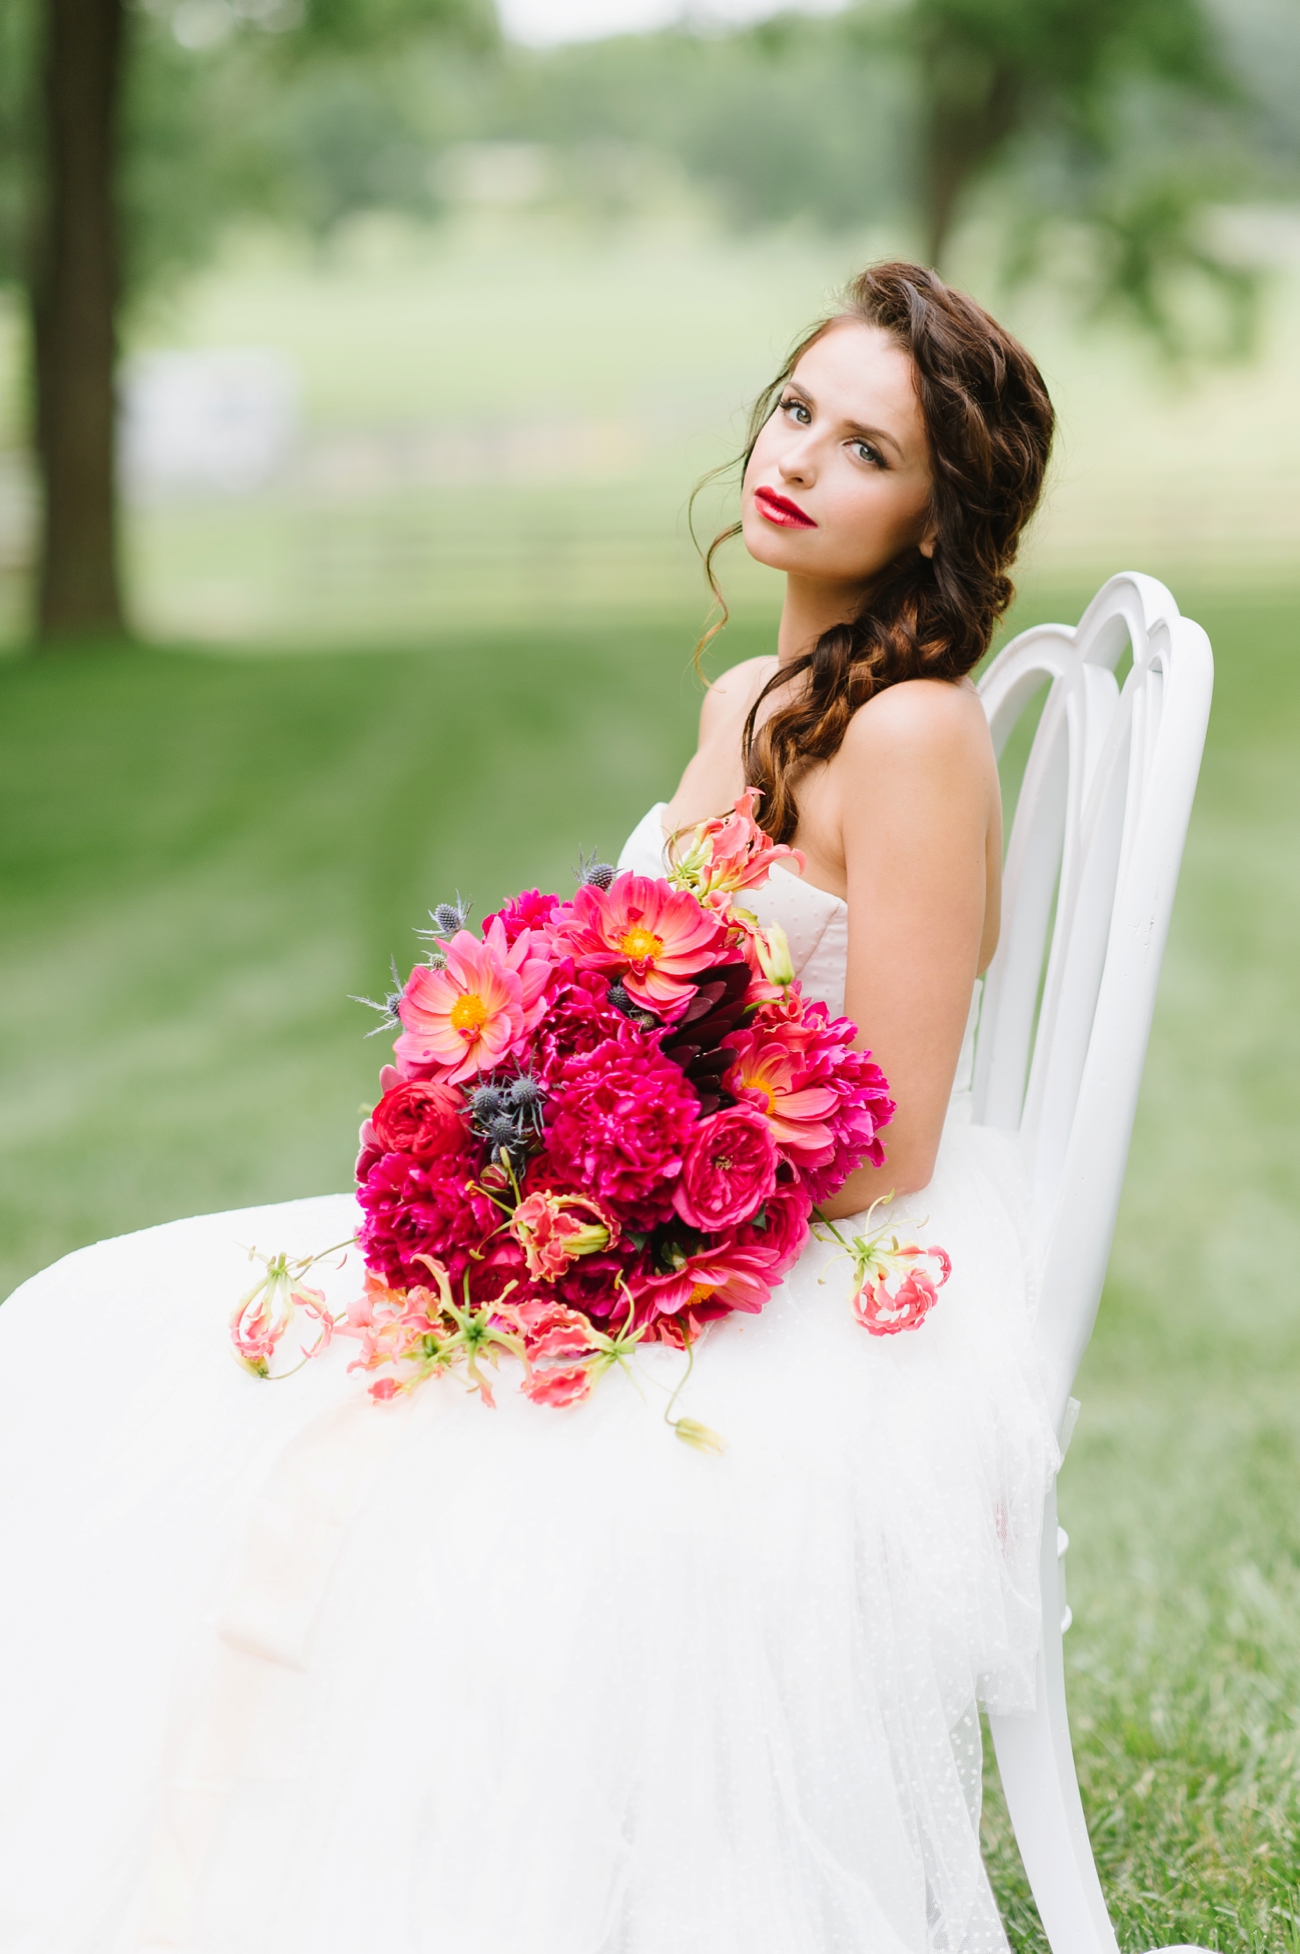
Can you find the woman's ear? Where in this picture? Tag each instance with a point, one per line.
(929, 542)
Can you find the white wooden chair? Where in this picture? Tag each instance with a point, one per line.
(1091, 870)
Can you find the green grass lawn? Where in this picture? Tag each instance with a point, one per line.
(204, 854)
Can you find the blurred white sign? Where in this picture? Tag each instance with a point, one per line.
(225, 418)
(493, 173)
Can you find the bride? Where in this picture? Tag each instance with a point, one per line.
(287, 1672)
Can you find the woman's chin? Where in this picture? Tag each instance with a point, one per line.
(777, 548)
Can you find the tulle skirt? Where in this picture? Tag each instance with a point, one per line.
(283, 1671)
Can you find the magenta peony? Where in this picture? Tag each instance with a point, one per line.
(417, 1209)
(529, 911)
(578, 1018)
(728, 1169)
(618, 1123)
(864, 1107)
(654, 938)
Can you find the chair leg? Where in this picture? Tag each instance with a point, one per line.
(1036, 1764)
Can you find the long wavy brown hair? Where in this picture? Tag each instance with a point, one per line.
(989, 421)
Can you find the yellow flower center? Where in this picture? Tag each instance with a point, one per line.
(699, 1294)
(756, 1085)
(469, 1012)
(638, 944)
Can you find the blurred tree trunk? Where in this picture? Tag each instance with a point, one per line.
(972, 105)
(74, 290)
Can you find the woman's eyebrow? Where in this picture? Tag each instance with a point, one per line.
(874, 434)
(855, 428)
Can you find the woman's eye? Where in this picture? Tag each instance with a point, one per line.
(865, 452)
(798, 411)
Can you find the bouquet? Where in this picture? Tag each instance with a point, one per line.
(609, 1122)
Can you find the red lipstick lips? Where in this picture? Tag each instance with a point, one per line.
(775, 508)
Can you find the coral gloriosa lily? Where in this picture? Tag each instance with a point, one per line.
(727, 854)
(554, 1229)
(894, 1289)
(264, 1315)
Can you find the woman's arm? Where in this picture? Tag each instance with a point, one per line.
(917, 797)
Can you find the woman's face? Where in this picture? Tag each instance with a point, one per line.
(839, 481)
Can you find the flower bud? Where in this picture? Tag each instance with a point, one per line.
(701, 1438)
(772, 949)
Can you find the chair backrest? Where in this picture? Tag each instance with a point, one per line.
(1092, 864)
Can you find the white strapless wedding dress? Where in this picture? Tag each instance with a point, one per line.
(283, 1671)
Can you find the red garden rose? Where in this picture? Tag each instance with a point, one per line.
(781, 1224)
(729, 1167)
(421, 1116)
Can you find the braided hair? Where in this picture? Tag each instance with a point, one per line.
(989, 421)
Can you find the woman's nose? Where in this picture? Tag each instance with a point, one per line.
(797, 464)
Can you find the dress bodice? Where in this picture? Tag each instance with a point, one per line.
(815, 922)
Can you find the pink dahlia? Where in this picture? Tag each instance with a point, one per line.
(618, 1122)
(477, 1008)
(653, 937)
(711, 1283)
(729, 1167)
(825, 1101)
(770, 1075)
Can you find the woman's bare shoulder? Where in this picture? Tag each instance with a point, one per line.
(921, 718)
(734, 691)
